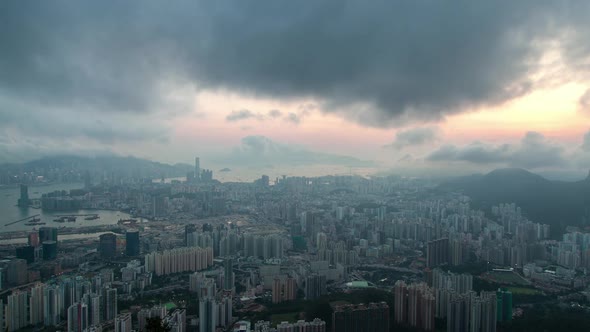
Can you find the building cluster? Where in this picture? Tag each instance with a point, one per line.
(239, 248)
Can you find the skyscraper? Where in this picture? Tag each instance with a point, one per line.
(49, 250)
(23, 201)
(77, 317)
(437, 252)
(93, 301)
(123, 322)
(16, 311)
(504, 306)
(109, 298)
(315, 286)
(27, 253)
(36, 305)
(197, 169)
(414, 305)
(132, 243)
(207, 314)
(228, 274)
(47, 234)
(51, 303)
(277, 290)
(189, 231)
(108, 245)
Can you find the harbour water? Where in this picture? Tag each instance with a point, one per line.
(10, 212)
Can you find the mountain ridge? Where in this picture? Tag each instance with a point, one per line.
(557, 203)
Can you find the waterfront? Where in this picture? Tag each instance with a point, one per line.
(11, 212)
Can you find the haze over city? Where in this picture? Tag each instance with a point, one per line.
(445, 87)
(294, 166)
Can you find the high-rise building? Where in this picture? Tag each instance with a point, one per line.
(208, 312)
(77, 317)
(414, 305)
(109, 299)
(373, 317)
(16, 272)
(33, 239)
(23, 201)
(123, 322)
(224, 317)
(321, 241)
(315, 286)
(504, 305)
(458, 313)
(176, 321)
(177, 260)
(47, 234)
(49, 250)
(437, 252)
(51, 305)
(277, 290)
(93, 301)
(36, 304)
(132, 243)
(107, 245)
(189, 230)
(228, 274)
(290, 292)
(142, 316)
(27, 253)
(16, 311)
(197, 169)
(159, 206)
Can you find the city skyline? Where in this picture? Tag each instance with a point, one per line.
(423, 94)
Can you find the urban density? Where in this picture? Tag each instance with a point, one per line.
(332, 253)
(294, 166)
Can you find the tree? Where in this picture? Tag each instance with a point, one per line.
(155, 325)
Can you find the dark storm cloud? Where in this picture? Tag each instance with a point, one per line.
(262, 151)
(533, 151)
(380, 63)
(415, 137)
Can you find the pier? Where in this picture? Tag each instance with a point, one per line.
(27, 218)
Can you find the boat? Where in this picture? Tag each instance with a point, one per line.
(127, 221)
(70, 219)
(93, 217)
(34, 223)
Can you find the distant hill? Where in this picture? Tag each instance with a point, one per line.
(557, 203)
(115, 164)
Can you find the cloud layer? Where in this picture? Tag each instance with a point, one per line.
(415, 137)
(378, 63)
(264, 152)
(533, 151)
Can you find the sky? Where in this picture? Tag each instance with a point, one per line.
(411, 87)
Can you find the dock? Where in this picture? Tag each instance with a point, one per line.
(27, 218)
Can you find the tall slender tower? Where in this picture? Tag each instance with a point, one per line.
(197, 169)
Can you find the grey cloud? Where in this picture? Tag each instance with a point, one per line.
(586, 142)
(275, 114)
(293, 118)
(533, 151)
(584, 102)
(243, 114)
(415, 137)
(380, 63)
(262, 151)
